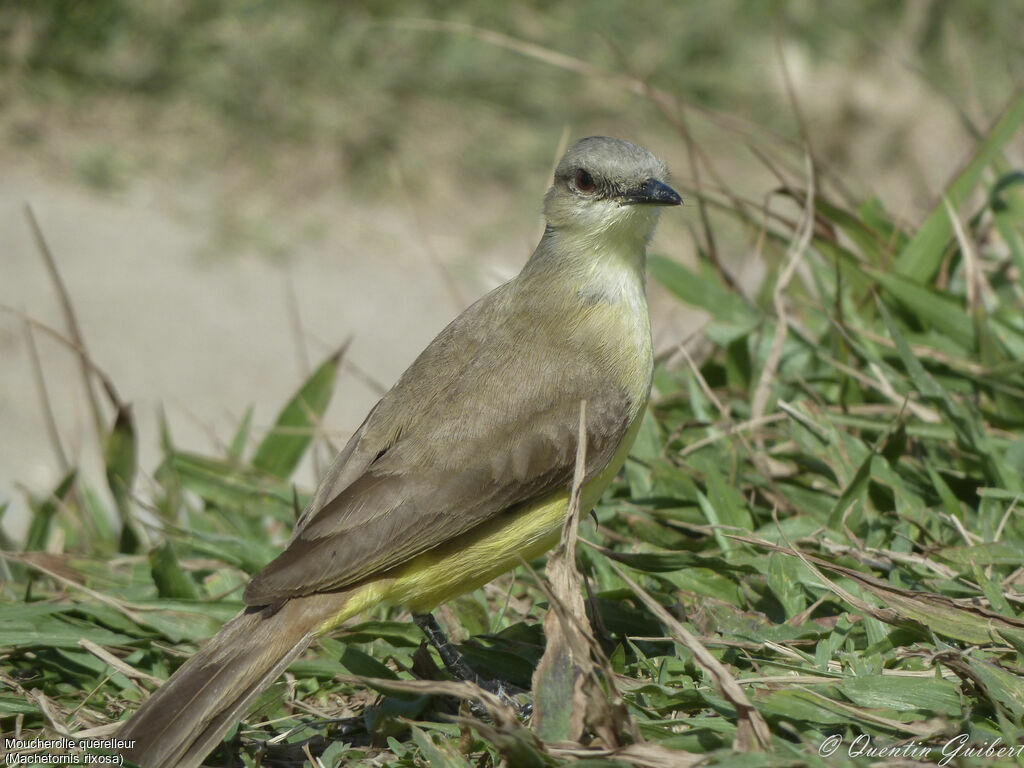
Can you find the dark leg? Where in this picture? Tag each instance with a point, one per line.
(459, 669)
(453, 661)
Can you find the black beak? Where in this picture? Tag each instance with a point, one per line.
(652, 192)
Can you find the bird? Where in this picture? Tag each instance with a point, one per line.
(464, 467)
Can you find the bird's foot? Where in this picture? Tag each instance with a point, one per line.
(507, 693)
(460, 670)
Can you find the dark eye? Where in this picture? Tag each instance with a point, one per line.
(584, 181)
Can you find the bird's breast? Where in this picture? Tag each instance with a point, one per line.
(614, 325)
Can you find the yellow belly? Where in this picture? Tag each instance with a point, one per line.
(489, 550)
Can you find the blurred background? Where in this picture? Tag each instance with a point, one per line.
(232, 189)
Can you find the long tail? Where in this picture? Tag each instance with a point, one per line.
(187, 717)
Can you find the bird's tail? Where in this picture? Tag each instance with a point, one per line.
(188, 716)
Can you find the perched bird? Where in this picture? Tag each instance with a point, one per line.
(465, 465)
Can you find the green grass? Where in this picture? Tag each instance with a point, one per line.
(361, 83)
(817, 542)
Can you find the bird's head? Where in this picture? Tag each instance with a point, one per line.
(608, 188)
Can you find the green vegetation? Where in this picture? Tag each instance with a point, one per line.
(827, 503)
(354, 83)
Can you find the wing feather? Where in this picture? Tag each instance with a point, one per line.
(484, 421)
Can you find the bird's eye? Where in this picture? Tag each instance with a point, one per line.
(584, 181)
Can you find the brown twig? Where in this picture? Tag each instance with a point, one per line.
(759, 402)
(49, 420)
(70, 319)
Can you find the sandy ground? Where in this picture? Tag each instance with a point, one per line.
(203, 338)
